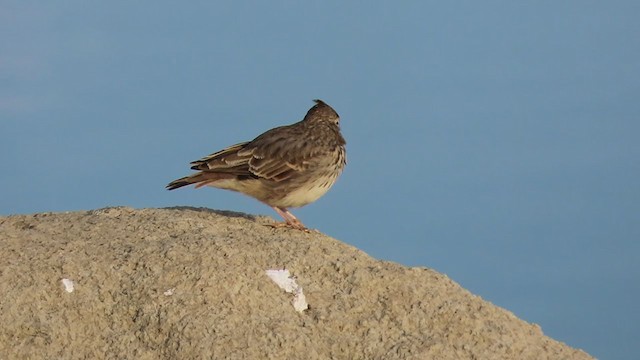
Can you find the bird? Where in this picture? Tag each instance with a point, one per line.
(286, 167)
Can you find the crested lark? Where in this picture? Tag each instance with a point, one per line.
(288, 166)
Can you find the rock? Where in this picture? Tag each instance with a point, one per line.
(185, 283)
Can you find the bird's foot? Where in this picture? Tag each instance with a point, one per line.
(290, 220)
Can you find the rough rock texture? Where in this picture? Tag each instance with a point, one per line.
(190, 283)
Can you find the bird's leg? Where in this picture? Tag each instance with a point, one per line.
(289, 218)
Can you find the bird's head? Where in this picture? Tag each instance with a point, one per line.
(321, 112)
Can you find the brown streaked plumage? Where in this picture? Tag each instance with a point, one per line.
(288, 166)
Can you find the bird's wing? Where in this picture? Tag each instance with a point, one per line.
(275, 160)
(278, 154)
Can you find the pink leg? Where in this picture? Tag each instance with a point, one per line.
(289, 218)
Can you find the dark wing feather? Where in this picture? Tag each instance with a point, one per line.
(227, 160)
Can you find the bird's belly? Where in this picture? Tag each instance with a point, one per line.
(279, 194)
(304, 195)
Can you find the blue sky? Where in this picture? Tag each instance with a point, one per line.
(496, 142)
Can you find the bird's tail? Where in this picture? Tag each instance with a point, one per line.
(199, 179)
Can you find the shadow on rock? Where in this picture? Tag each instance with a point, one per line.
(226, 213)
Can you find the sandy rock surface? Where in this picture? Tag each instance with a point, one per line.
(188, 283)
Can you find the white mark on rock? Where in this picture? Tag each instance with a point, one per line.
(300, 301)
(68, 285)
(288, 283)
(169, 292)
